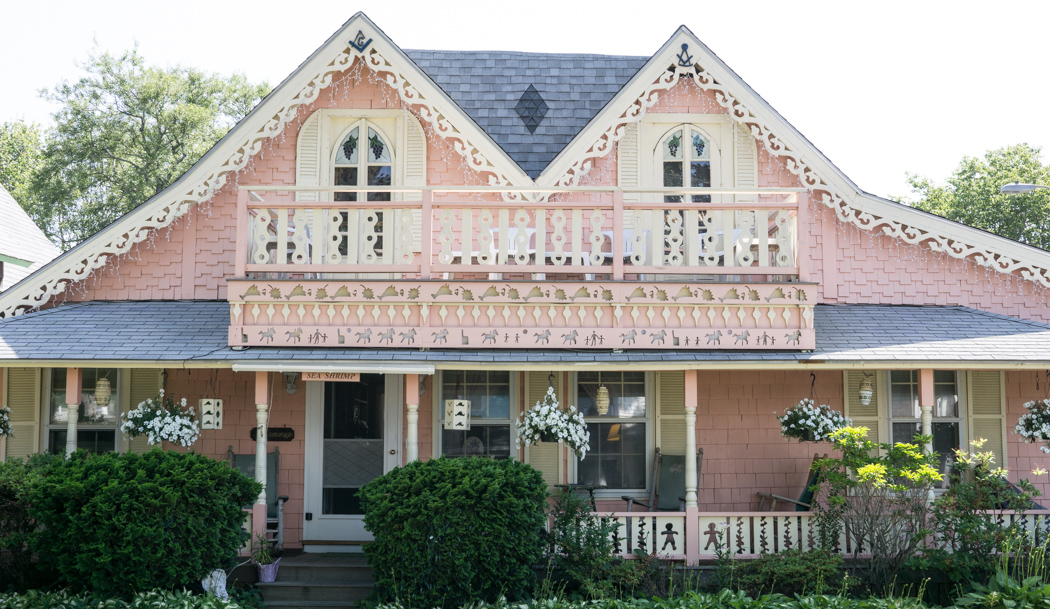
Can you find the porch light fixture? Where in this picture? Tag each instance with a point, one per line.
(602, 400)
(1018, 188)
(103, 392)
(866, 391)
(289, 382)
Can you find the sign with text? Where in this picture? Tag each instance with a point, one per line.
(275, 434)
(344, 377)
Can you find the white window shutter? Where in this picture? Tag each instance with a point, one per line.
(746, 162)
(670, 387)
(544, 456)
(308, 157)
(415, 172)
(628, 163)
(22, 396)
(986, 412)
(143, 384)
(873, 416)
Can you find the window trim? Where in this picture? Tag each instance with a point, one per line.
(652, 431)
(121, 383)
(438, 411)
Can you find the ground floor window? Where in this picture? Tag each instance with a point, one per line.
(618, 450)
(98, 416)
(491, 411)
(906, 416)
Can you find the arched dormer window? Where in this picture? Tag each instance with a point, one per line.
(363, 158)
(685, 155)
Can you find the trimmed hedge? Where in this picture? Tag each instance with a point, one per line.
(454, 531)
(116, 524)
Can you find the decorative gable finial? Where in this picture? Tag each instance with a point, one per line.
(685, 60)
(359, 43)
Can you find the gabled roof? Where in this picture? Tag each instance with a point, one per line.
(887, 335)
(21, 239)
(488, 85)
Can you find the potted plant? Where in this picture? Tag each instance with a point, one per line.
(1034, 424)
(265, 559)
(548, 422)
(811, 423)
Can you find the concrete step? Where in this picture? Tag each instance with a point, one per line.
(325, 573)
(311, 604)
(313, 591)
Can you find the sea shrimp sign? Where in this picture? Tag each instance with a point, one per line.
(343, 377)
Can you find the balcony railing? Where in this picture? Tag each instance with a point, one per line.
(462, 230)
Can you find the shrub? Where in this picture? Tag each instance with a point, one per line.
(579, 548)
(790, 573)
(156, 599)
(452, 531)
(16, 525)
(118, 524)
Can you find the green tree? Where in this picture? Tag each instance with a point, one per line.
(971, 194)
(123, 133)
(21, 148)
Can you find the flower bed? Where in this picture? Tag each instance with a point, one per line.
(157, 599)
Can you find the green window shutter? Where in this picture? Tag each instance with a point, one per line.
(986, 416)
(143, 383)
(543, 456)
(22, 396)
(872, 416)
(670, 386)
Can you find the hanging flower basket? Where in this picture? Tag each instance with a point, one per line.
(1034, 425)
(161, 419)
(5, 422)
(547, 422)
(807, 422)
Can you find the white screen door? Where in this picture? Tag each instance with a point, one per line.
(352, 436)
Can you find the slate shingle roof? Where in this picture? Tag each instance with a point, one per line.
(21, 238)
(488, 85)
(177, 331)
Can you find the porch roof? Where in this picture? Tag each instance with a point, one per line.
(194, 333)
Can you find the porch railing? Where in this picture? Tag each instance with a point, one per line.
(694, 536)
(575, 230)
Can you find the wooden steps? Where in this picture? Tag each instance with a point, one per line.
(334, 581)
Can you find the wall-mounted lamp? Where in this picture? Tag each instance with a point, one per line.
(103, 392)
(867, 389)
(601, 401)
(289, 382)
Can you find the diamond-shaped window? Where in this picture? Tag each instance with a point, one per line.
(531, 108)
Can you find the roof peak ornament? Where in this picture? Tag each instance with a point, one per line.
(359, 43)
(685, 60)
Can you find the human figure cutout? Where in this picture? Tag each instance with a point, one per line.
(669, 534)
(712, 533)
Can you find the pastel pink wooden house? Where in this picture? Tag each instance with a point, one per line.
(446, 225)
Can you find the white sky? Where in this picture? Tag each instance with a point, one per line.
(880, 88)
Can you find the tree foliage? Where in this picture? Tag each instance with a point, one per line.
(971, 194)
(21, 150)
(123, 133)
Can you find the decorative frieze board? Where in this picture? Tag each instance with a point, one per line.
(522, 314)
(684, 56)
(265, 122)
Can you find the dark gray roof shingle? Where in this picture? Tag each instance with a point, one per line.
(177, 331)
(488, 85)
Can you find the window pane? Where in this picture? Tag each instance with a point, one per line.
(904, 393)
(616, 458)
(346, 176)
(946, 441)
(699, 150)
(700, 177)
(626, 394)
(354, 411)
(347, 153)
(379, 176)
(479, 441)
(488, 392)
(673, 149)
(91, 440)
(378, 151)
(905, 432)
(946, 401)
(95, 408)
(340, 501)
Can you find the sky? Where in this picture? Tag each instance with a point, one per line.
(881, 88)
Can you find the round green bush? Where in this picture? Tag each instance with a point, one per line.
(454, 531)
(117, 524)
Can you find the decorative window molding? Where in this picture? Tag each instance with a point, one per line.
(269, 120)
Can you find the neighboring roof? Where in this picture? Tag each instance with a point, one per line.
(488, 85)
(186, 331)
(21, 238)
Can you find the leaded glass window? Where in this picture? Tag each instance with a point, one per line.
(686, 152)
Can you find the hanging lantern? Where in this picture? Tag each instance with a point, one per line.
(103, 392)
(866, 391)
(602, 400)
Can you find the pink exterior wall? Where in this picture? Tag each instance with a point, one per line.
(1022, 458)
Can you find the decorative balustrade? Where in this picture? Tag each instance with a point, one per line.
(694, 536)
(593, 227)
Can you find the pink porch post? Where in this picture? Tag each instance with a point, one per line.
(692, 540)
(73, 383)
(411, 418)
(262, 407)
(926, 400)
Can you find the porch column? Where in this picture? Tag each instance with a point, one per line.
(412, 418)
(73, 383)
(262, 407)
(691, 482)
(926, 401)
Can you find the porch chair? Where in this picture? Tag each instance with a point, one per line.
(668, 491)
(274, 502)
(804, 503)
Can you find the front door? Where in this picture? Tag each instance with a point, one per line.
(352, 436)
